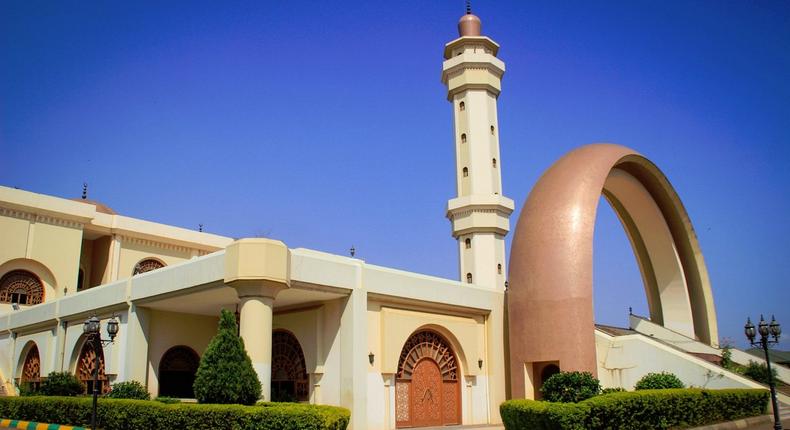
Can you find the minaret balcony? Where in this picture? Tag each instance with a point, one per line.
(479, 214)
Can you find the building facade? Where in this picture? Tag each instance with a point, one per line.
(398, 349)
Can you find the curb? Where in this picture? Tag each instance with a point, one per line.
(743, 423)
(31, 425)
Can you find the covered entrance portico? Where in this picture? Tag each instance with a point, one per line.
(187, 318)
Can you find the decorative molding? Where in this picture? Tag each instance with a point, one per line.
(468, 212)
(155, 244)
(34, 217)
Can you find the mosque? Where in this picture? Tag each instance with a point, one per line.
(398, 349)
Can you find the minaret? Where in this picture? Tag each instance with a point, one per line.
(480, 214)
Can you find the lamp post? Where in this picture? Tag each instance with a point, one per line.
(766, 331)
(92, 330)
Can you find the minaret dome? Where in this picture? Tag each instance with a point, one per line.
(469, 25)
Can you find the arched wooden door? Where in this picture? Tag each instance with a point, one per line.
(88, 360)
(177, 372)
(290, 382)
(427, 389)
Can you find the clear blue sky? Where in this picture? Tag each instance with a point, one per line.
(324, 124)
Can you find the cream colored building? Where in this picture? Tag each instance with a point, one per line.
(398, 349)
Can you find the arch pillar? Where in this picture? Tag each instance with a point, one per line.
(550, 300)
(258, 270)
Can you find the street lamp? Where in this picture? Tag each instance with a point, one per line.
(92, 330)
(766, 331)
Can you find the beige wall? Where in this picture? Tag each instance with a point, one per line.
(388, 330)
(46, 247)
(15, 232)
(133, 251)
(169, 329)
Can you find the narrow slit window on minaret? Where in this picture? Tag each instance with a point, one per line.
(468, 278)
(462, 106)
(499, 269)
(468, 243)
(493, 162)
(463, 137)
(466, 172)
(492, 130)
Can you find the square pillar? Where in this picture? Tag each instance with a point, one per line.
(354, 357)
(134, 334)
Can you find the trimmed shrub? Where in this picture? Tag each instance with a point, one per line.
(225, 374)
(637, 410)
(61, 384)
(613, 390)
(129, 390)
(570, 387)
(124, 414)
(537, 415)
(758, 372)
(659, 381)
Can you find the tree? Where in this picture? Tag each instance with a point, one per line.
(225, 374)
(61, 384)
(759, 372)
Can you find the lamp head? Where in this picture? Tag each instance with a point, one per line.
(775, 328)
(91, 325)
(112, 328)
(763, 327)
(749, 330)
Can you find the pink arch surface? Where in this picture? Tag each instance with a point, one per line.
(550, 299)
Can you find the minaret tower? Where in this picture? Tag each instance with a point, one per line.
(480, 214)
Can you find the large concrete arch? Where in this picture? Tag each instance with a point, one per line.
(550, 299)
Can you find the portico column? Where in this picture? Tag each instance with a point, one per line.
(255, 328)
(258, 269)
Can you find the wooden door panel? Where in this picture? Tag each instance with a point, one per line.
(426, 394)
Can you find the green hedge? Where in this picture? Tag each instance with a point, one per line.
(122, 414)
(646, 409)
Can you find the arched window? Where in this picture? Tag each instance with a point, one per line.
(88, 360)
(468, 243)
(427, 385)
(463, 137)
(289, 372)
(466, 172)
(499, 269)
(21, 286)
(31, 370)
(147, 265)
(462, 106)
(493, 162)
(177, 372)
(468, 278)
(492, 130)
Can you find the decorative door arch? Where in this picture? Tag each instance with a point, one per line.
(289, 372)
(177, 371)
(88, 360)
(31, 370)
(427, 388)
